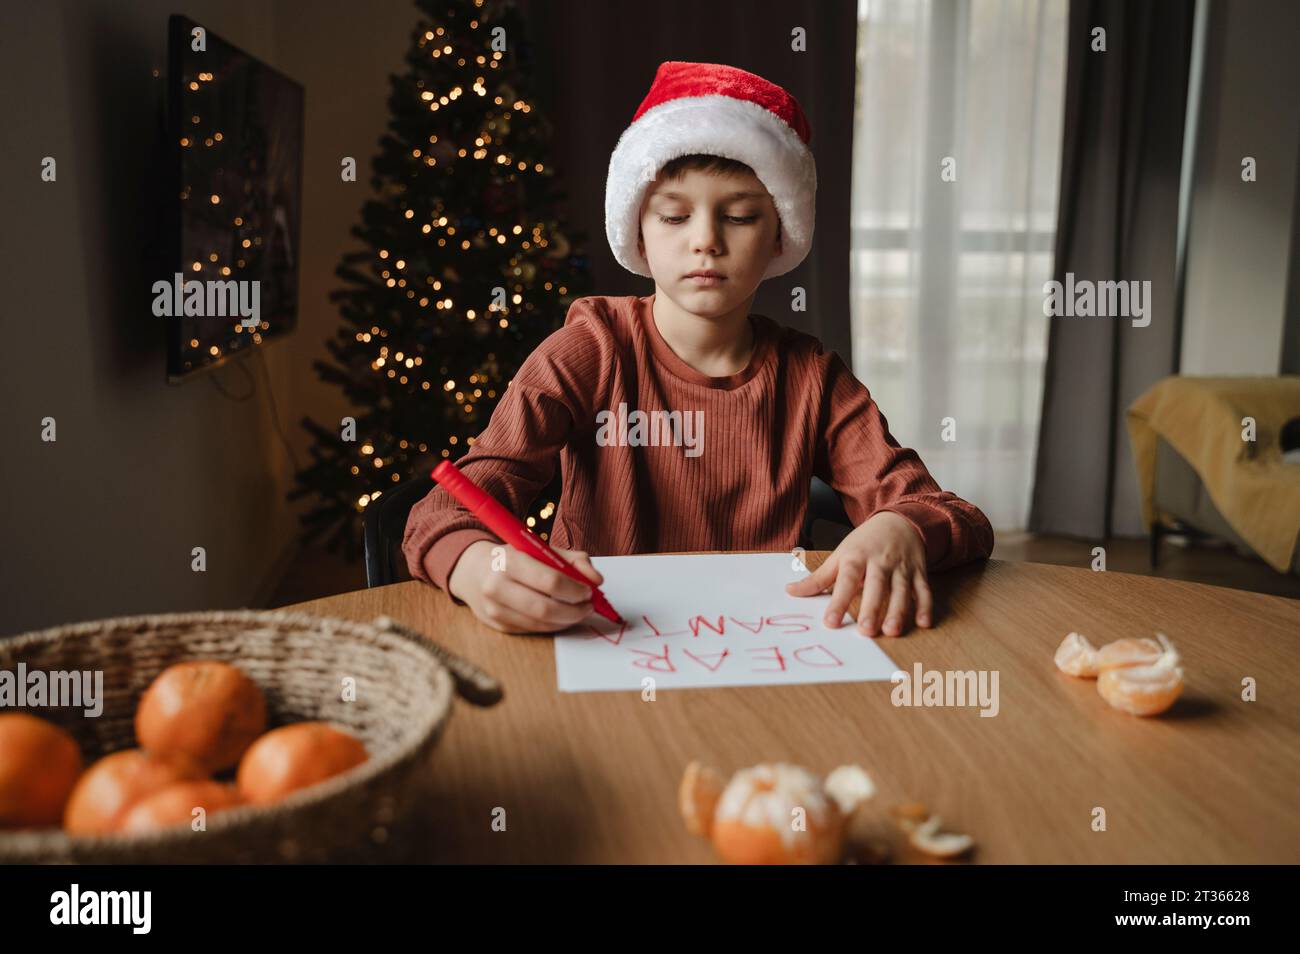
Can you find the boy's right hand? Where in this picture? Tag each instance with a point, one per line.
(522, 595)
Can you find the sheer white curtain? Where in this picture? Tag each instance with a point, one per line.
(956, 155)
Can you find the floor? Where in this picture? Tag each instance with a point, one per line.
(1180, 559)
(318, 573)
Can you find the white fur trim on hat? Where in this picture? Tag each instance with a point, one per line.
(715, 125)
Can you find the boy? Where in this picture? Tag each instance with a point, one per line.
(710, 191)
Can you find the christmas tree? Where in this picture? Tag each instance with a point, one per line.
(466, 269)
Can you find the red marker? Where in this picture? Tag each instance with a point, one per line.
(509, 528)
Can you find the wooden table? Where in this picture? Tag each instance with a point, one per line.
(593, 776)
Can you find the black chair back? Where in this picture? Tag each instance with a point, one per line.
(385, 526)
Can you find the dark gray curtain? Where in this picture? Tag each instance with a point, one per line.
(596, 61)
(1118, 220)
(1290, 363)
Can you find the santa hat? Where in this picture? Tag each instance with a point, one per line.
(721, 111)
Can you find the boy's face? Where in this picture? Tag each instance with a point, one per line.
(725, 223)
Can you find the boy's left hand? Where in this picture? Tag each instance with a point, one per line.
(884, 560)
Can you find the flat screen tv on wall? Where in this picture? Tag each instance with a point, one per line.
(234, 161)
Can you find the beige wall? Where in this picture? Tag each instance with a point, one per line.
(1240, 233)
(102, 521)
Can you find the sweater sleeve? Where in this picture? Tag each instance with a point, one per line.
(865, 465)
(516, 454)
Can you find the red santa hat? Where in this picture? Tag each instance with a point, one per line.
(721, 111)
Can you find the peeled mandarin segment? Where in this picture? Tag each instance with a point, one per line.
(697, 797)
(1076, 656)
(1128, 652)
(754, 822)
(1141, 690)
(1169, 658)
(850, 786)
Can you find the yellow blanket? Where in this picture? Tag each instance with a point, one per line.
(1201, 418)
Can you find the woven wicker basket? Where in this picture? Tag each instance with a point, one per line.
(403, 698)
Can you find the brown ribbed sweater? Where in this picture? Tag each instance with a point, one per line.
(794, 412)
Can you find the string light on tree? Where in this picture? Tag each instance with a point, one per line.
(465, 209)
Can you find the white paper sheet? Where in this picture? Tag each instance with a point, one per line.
(711, 620)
